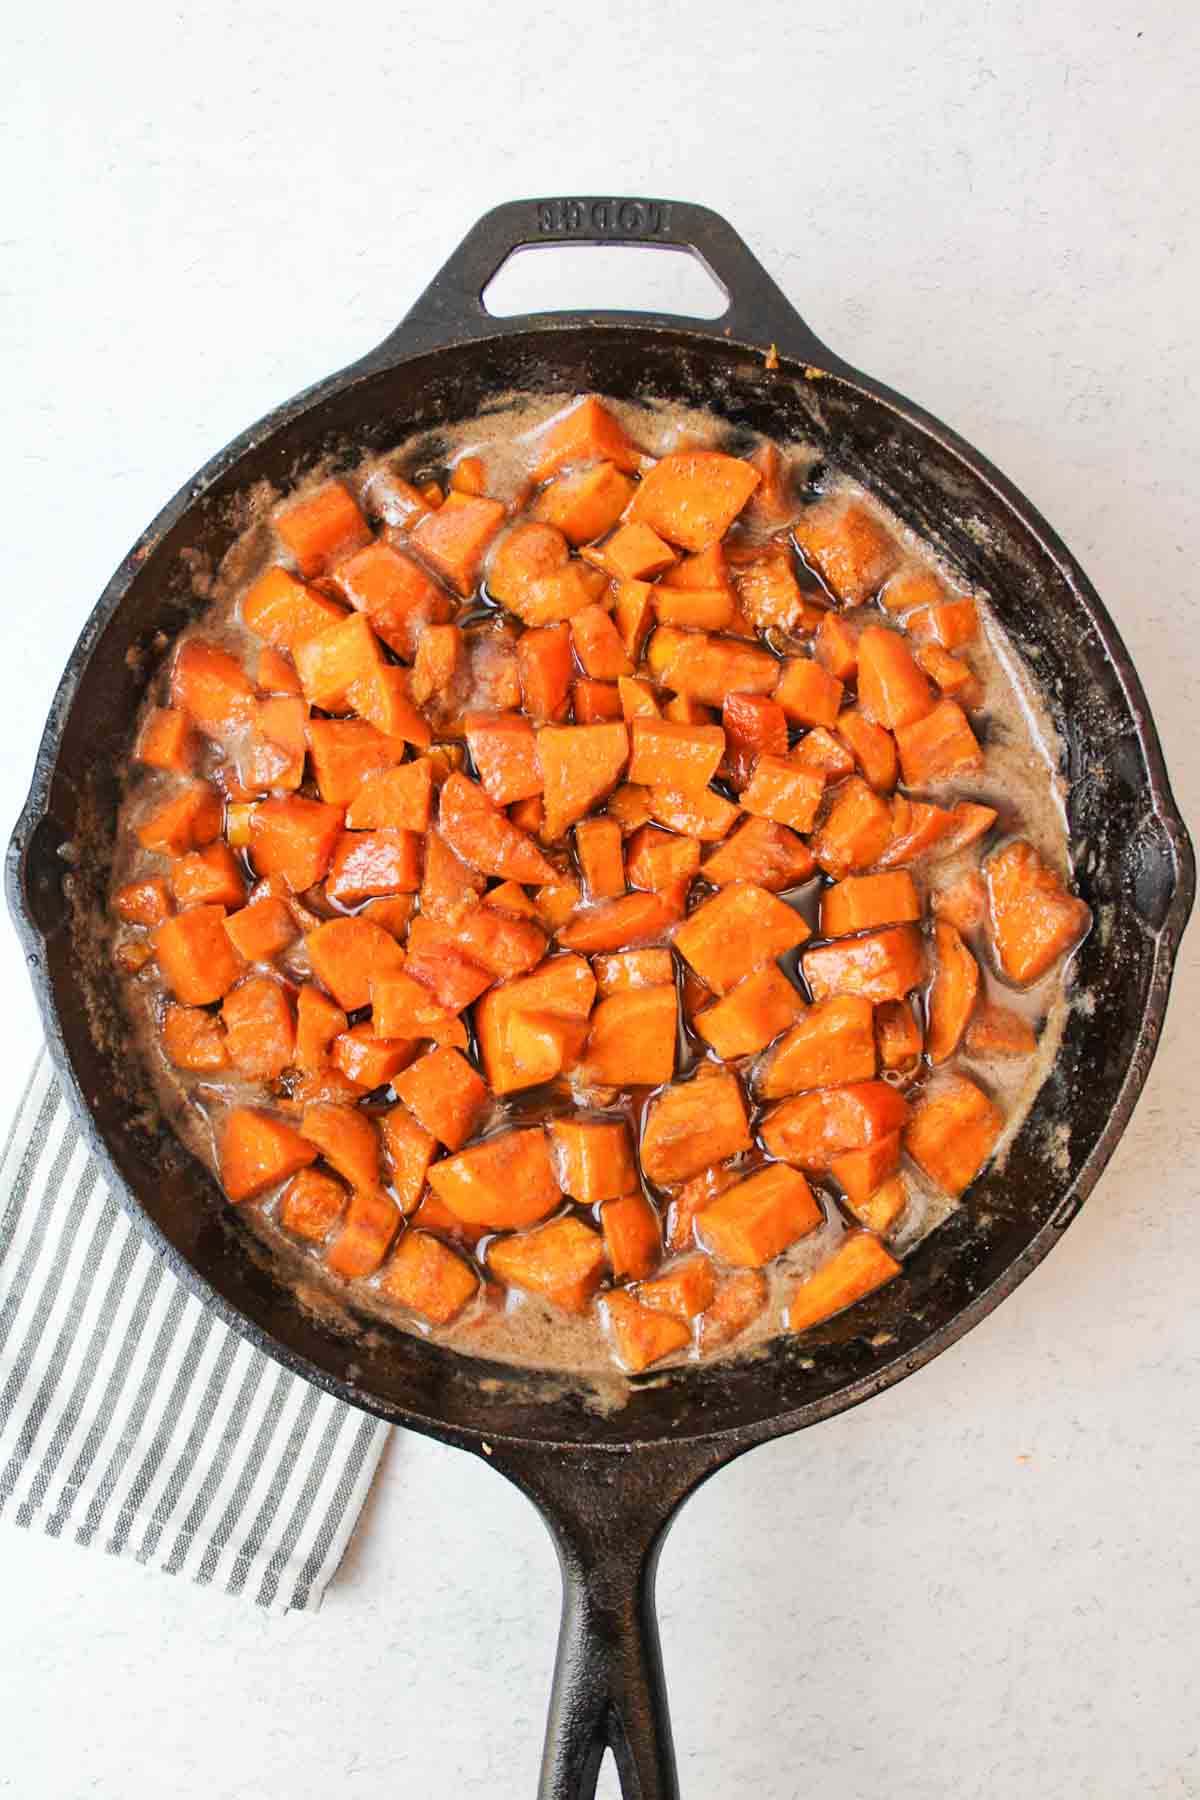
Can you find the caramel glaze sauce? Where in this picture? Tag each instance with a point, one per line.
(1020, 779)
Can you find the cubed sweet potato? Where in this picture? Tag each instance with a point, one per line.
(916, 828)
(757, 1219)
(260, 1027)
(836, 646)
(597, 644)
(504, 1183)
(754, 726)
(770, 597)
(999, 1031)
(634, 615)
(167, 741)
(635, 552)
(395, 593)
(695, 609)
(693, 1124)
(880, 965)
(691, 1199)
(952, 675)
(196, 959)
(873, 749)
(444, 1093)
(397, 797)
(428, 1278)
(408, 1151)
(585, 504)
(439, 670)
(1034, 919)
(333, 660)
(637, 699)
(633, 1038)
(679, 756)
(371, 1222)
(374, 862)
(587, 433)
(808, 693)
(892, 691)
(562, 987)
(751, 1014)
(850, 549)
(323, 527)
(782, 790)
(190, 819)
(814, 1127)
(594, 1158)
(403, 1007)
(620, 970)
(969, 821)
(595, 702)
(833, 1043)
(504, 750)
(963, 903)
(555, 902)
(275, 674)
(912, 585)
(898, 1035)
(701, 814)
(367, 1060)
(384, 696)
(211, 687)
(145, 902)
(615, 924)
(953, 993)
(855, 831)
(764, 853)
(600, 850)
(950, 623)
(662, 862)
(522, 557)
(345, 752)
(709, 668)
(940, 744)
(881, 1211)
(347, 955)
(641, 1336)
(632, 1236)
(860, 1172)
(311, 1205)
(319, 1020)
(858, 1266)
(819, 749)
(952, 1133)
(449, 886)
(478, 831)
(684, 1290)
(737, 931)
(453, 539)
(258, 1151)
(348, 1140)
(285, 611)
(580, 764)
(692, 499)
(740, 1299)
(194, 1039)
(294, 838)
(862, 901)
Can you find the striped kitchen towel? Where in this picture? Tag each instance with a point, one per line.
(131, 1417)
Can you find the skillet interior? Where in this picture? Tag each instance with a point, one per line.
(1130, 853)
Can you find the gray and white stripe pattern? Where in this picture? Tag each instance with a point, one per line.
(133, 1419)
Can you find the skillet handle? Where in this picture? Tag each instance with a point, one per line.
(451, 307)
(609, 1512)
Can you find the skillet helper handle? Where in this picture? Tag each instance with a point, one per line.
(759, 312)
(609, 1511)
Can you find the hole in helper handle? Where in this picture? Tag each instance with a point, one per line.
(452, 308)
(609, 1511)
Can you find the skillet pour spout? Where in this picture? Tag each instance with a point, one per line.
(610, 1482)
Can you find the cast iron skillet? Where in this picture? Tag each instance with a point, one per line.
(608, 1484)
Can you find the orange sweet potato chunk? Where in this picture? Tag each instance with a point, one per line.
(704, 815)
(848, 547)
(615, 924)
(641, 1336)
(143, 902)
(374, 862)
(311, 1205)
(348, 1140)
(453, 539)
(295, 839)
(680, 756)
(892, 691)
(260, 1027)
(594, 1158)
(563, 1262)
(808, 693)
(814, 1127)
(1034, 919)
(275, 673)
(597, 644)
(916, 828)
(398, 798)
(395, 593)
(633, 1038)
(478, 832)
(898, 1035)
(856, 830)
(632, 1236)
(873, 749)
(693, 1124)
(782, 790)
(858, 1266)
(692, 498)
(258, 1151)
(523, 557)
(707, 668)
(833, 1043)
(684, 1290)
(504, 750)
(403, 1007)
(953, 993)
(449, 886)
(580, 764)
(754, 726)
(195, 957)
(347, 955)
(757, 1219)
(691, 1199)
(193, 1039)
(620, 970)
(999, 1031)
(332, 661)
(502, 944)
(758, 1009)
(385, 698)
(428, 1278)
(600, 850)
(963, 903)
(764, 853)
(189, 820)
(952, 1133)
(284, 611)
(369, 1061)
(211, 687)
(940, 744)
(861, 1172)
(637, 699)
(319, 1020)
(345, 752)
(408, 1149)
(740, 1299)
(912, 585)
(862, 901)
(818, 749)
(696, 609)
(595, 702)
(371, 1221)
(562, 988)
(445, 1095)
(880, 1211)
(770, 597)
(274, 756)
(950, 623)
(585, 504)
(587, 433)
(634, 553)
(880, 965)
(737, 931)
(167, 741)
(954, 677)
(836, 646)
(321, 528)
(504, 1183)
(663, 862)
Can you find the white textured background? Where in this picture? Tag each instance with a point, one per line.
(983, 1584)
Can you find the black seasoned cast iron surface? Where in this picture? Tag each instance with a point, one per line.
(447, 361)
